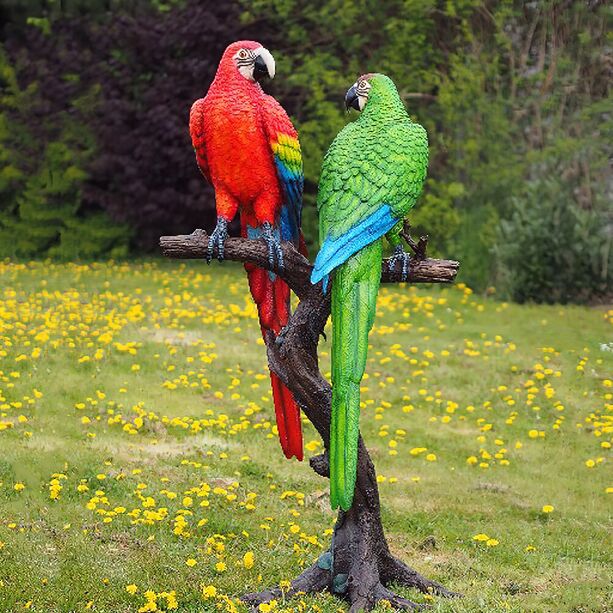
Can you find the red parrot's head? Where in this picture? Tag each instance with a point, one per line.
(249, 59)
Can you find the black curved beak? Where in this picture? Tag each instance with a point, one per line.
(351, 99)
(260, 69)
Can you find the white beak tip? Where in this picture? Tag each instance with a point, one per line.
(269, 60)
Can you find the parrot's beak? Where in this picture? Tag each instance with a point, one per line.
(264, 65)
(351, 98)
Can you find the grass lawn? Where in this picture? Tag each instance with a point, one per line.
(140, 471)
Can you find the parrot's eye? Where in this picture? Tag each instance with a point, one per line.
(242, 54)
(362, 85)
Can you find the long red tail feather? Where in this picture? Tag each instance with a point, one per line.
(272, 298)
(288, 419)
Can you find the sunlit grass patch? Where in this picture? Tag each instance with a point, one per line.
(140, 466)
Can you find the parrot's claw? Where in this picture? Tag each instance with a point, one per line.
(273, 242)
(217, 240)
(400, 256)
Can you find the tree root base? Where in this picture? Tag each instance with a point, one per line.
(363, 589)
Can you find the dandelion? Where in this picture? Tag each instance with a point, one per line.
(209, 591)
(547, 508)
(248, 560)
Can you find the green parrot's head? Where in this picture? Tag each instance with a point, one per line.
(367, 87)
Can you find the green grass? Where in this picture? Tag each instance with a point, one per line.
(447, 371)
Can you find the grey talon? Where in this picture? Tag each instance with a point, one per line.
(404, 258)
(273, 242)
(280, 338)
(217, 240)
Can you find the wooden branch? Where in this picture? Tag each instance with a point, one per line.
(194, 247)
(297, 270)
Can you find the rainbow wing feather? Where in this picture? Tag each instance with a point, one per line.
(285, 147)
(285, 150)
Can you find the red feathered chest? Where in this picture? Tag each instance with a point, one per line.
(238, 152)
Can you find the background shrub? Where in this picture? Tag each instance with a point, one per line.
(551, 251)
(511, 94)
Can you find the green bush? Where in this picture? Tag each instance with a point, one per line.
(41, 174)
(552, 251)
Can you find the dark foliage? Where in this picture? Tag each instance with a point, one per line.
(146, 69)
(156, 67)
(509, 92)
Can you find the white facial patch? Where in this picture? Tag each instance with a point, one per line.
(362, 88)
(245, 62)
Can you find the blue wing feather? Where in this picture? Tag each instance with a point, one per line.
(292, 183)
(337, 250)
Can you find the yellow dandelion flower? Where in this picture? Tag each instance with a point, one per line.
(248, 560)
(209, 591)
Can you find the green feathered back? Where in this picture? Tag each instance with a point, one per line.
(381, 158)
(378, 161)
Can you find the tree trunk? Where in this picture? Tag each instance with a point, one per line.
(358, 566)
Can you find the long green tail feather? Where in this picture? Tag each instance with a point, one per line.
(354, 298)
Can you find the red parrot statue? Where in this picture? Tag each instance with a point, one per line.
(248, 149)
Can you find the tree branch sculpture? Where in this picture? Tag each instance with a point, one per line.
(359, 566)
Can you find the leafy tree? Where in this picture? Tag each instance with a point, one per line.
(508, 91)
(130, 93)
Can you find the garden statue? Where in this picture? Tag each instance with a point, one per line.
(373, 173)
(248, 149)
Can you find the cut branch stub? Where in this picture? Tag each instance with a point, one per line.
(359, 566)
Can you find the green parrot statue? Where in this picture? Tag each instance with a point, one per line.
(372, 175)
